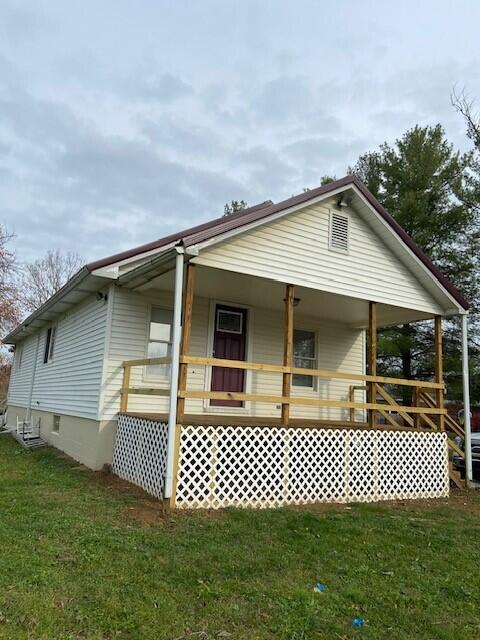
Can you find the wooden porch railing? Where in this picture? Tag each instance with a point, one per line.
(384, 409)
(424, 414)
(127, 390)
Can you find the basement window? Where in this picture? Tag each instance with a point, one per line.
(56, 424)
(49, 344)
(339, 234)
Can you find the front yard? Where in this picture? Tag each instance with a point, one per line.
(85, 556)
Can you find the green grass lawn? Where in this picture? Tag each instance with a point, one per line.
(85, 556)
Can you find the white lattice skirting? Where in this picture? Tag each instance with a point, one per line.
(271, 467)
(140, 453)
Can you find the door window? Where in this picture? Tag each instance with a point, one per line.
(229, 321)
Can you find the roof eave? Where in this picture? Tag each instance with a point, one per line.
(71, 286)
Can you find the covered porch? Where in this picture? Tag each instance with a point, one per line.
(283, 412)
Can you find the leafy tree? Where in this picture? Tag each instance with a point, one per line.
(234, 206)
(327, 179)
(423, 182)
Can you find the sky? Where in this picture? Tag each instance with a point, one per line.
(124, 121)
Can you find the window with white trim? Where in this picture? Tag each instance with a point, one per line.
(304, 356)
(49, 344)
(159, 342)
(339, 234)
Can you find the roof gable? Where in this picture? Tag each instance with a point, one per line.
(296, 248)
(217, 229)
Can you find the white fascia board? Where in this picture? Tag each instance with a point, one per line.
(113, 270)
(107, 272)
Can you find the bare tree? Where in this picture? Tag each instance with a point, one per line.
(466, 107)
(43, 277)
(5, 369)
(9, 299)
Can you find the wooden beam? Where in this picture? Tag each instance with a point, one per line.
(311, 402)
(125, 386)
(372, 358)
(351, 397)
(416, 403)
(185, 342)
(148, 391)
(147, 361)
(287, 351)
(391, 401)
(316, 373)
(449, 421)
(439, 369)
(389, 418)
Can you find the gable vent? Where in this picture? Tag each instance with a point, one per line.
(339, 228)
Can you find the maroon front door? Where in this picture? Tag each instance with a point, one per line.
(229, 342)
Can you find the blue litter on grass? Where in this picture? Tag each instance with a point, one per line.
(320, 587)
(358, 622)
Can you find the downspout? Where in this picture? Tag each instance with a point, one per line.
(172, 402)
(32, 381)
(466, 400)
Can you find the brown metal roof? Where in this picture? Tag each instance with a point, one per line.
(218, 226)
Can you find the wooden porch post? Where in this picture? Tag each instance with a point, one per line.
(439, 369)
(372, 358)
(417, 418)
(287, 351)
(186, 334)
(125, 386)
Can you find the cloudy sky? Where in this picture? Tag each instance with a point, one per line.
(122, 121)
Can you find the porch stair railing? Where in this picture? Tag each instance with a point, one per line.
(422, 418)
(28, 434)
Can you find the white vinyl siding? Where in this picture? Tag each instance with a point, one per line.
(69, 383)
(338, 348)
(128, 341)
(21, 377)
(295, 249)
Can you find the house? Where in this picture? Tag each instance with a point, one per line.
(234, 363)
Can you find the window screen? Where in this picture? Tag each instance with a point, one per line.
(304, 356)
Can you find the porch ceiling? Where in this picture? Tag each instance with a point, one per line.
(238, 288)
